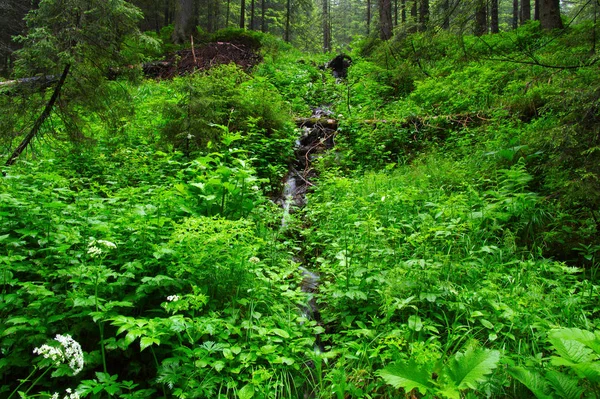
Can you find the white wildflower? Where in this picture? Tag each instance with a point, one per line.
(255, 188)
(254, 259)
(69, 395)
(173, 298)
(190, 136)
(107, 244)
(94, 251)
(70, 351)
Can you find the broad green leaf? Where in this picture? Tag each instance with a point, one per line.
(408, 375)
(589, 370)
(588, 338)
(563, 385)
(571, 351)
(148, 341)
(280, 332)
(469, 369)
(532, 380)
(247, 392)
(415, 323)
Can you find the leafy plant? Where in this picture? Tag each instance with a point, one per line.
(463, 371)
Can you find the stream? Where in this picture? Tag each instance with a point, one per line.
(312, 142)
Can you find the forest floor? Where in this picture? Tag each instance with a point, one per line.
(203, 57)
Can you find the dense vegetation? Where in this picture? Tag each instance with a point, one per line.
(453, 226)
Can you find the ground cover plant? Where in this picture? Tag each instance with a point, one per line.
(453, 228)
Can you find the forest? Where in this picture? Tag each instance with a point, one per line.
(299, 199)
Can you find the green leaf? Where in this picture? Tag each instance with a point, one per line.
(415, 323)
(247, 392)
(469, 369)
(409, 376)
(532, 380)
(565, 386)
(148, 341)
(571, 351)
(280, 332)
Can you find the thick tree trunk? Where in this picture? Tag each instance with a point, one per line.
(423, 15)
(403, 13)
(40, 120)
(288, 12)
(525, 11)
(252, 15)
(243, 14)
(480, 18)
(536, 10)
(263, 21)
(515, 17)
(494, 24)
(385, 19)
(326, 31)
(368, 17)
(185, 21)
(550, 14)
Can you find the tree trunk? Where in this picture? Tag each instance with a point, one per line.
(423, 15)
(368, 17)
(385, 19)
(525, 11)
(536, 10)
(252, 15)
(185, 21)
(243, 14)
(481, 18)
(495, 26)
(288, 11)
(395, 12)
(40, 120)
(550, 14)
(515, 18)
(413, 16)
(446, 13)
(167, 12)
(263, 21)
(403, 13)
(227, 13)
(326, 31)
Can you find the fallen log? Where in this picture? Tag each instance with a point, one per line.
(330, 123)
(36, 80)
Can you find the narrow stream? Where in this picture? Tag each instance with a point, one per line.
(313, 141)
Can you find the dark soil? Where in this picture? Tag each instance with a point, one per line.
(202, 58)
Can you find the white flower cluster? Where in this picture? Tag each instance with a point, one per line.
(69, 395)
(173, 298)
(70, 351)
(95, 247)
(254, 259)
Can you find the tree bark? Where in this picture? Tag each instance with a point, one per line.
(536, 10)
(423, 15)
(515, 18)
(326, 31)
(252, 15)
(368, 17)
(40, 120)
(403, 13)
(243, 14)
(263, 21)
(550, 14)
(525, 11)
(385, 19)
(481, 18)
(494, 24)
(288, 12)
(185, 21)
